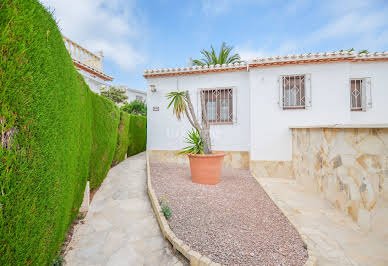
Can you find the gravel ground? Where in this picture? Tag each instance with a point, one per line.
(233, 222)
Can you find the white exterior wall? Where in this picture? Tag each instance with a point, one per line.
(271, 138)
(262, 127)
(95, 83)
(132, 95)
(165, 132)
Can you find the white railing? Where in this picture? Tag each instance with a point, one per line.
(82, 55)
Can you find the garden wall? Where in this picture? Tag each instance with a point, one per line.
(349, 168)
(55, 135)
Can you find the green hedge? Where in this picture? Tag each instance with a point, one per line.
(122, 138)
(44, 105)
(137, 134)
(61, 135)
(106, 118)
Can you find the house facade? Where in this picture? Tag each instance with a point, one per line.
(89, 65)
(265, 112)
(133, 94)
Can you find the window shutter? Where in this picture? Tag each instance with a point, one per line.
(280, 92)
(308, 98)
(234, 106)
(363, 95)
(368, 93)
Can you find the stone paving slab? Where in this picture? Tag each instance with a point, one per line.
(120, 227)
(333, 237)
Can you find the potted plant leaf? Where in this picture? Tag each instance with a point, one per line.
(205, 165)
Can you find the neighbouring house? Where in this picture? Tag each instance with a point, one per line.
(89, 65)
(321, 119)
(133, 94)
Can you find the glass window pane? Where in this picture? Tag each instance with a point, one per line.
(224, 109)
(211, 109)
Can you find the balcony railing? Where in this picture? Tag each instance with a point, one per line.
(82, 55)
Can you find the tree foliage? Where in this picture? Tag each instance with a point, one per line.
(117, 95)
(224, 56)
(135, 107)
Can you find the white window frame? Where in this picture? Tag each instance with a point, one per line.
(365, 94)
(307, 92)
(234, 104)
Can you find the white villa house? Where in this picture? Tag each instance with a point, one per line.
(321, 119)
(89, 65)
(133, 94)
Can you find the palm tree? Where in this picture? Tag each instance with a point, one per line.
(224, 56)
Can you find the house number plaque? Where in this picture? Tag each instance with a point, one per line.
(155, 108)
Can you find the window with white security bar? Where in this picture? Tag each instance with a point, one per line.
(139, 98)
(360, 94)
(219, 105)
(293, 92)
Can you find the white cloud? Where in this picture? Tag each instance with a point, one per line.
(111, 26)
(221, 7)
(351, 24)
(361, 26)
(216, 7)
(247, 54)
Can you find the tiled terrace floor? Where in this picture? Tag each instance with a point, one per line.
(334, 238)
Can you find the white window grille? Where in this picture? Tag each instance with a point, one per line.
(360, 94)
(356, 94)
(293, 92)
(219, 105)
(139, 98)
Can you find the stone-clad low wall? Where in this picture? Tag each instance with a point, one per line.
(349, 168)
(277, 169)
(233, 159)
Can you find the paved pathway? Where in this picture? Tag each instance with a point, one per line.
(120, 227)
(335, 239)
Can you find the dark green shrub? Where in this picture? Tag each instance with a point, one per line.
(106, 118)
(117, 95)
(45, 123)
(137, 134)
(135, 107)
(122, 138)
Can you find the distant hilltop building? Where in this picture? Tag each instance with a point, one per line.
(89, 65)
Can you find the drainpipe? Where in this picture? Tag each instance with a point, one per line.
(246, 62)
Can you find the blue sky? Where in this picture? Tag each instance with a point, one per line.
(137, 35)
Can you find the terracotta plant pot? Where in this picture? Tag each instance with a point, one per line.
(206, 168)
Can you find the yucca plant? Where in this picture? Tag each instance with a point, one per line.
(181, 105)
(223, 57)
(194, 140)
